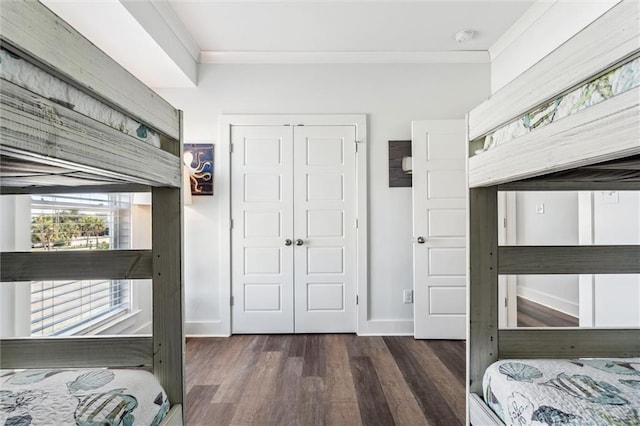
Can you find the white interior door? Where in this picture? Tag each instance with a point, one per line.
(439, 229)
(325, 262)
(262, 229)
(294, 231)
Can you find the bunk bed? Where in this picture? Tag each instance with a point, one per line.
(72, 120)
(570, 122)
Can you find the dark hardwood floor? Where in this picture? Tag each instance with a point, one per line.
(531, 314)
(318, 379)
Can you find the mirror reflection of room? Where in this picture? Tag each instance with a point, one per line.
(556, 218)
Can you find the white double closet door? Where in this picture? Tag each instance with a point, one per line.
(293, 228)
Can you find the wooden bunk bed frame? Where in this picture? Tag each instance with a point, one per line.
(80, 154)
(597, 148)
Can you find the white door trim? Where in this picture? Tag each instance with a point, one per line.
(222, 170)
(507, 284)
(586, 292)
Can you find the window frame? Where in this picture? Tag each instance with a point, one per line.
(118, 208)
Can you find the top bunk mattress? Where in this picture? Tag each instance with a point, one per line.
(30, 77)
(613, 83)
(569, 392)
(84, 397)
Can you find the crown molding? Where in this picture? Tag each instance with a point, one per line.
(275, 57)
(339, 1)
(167, 13)
(528, 19)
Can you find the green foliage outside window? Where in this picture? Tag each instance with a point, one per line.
(69, 229)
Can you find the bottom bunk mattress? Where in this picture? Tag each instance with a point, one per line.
(84, 397)
(564, 392)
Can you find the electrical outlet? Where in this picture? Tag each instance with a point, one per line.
(407, 296)
(540, 208)
(609, 197)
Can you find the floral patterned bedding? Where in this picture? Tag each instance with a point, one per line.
(84, 397)
(565, 392)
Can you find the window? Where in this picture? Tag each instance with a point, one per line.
(78, 222)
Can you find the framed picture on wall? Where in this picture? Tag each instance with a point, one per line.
(198, 165)
(399, 164)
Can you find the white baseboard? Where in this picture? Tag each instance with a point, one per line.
(386, 328)
(370, 328)
(207, 329)
(550, 301)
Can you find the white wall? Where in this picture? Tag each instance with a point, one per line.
(201, 266)
(557, 225)
(616, 220)
(391, 95)
(15, 232)
(141, 290)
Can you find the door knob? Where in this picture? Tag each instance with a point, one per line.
(421, 240)
(288, 242)
(299, 242)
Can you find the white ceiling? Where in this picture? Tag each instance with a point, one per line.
(351, 26)
(161, 42)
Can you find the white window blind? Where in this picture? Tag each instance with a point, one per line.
(78, 222)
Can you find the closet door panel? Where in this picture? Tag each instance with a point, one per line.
(262, 212)
(324, 217)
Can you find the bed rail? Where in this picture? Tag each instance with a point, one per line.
(40, 130)
(75, 265)
(174, 416)
(65, 352)
(607, 131)
(39, 35)
(480, 414)
(482, 341)
(600, 259)
(63, 189)
(569, 343)
(168, 292)
(546, 185)
(612, 37)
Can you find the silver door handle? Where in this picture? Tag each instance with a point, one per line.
(421, 240)
(288, 242)
(299, 242)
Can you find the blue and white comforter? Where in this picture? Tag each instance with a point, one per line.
(565, 392)
(84, 397)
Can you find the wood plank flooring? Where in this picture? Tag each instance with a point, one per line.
(324, 379)
(531, 314)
